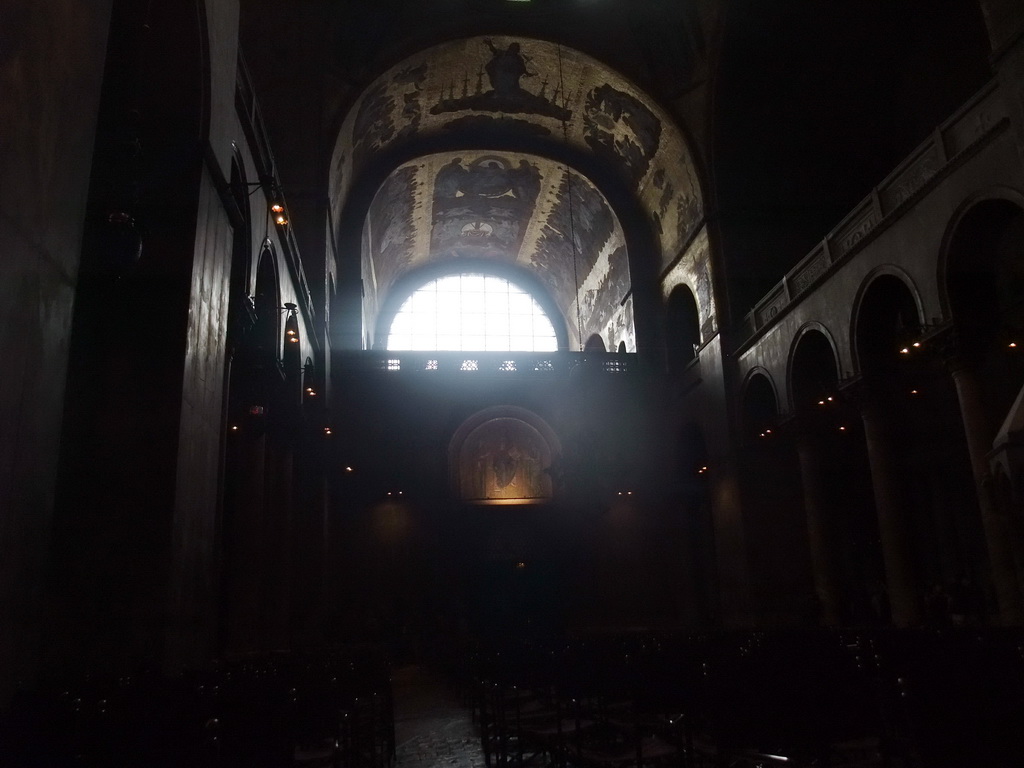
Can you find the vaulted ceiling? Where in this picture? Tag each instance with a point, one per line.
(496, 144)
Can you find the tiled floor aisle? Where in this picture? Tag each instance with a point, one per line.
(432, 728)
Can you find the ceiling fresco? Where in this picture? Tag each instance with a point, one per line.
(523, 87)
(520, 210)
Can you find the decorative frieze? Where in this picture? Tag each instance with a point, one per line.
(910, 177)
(973, 123)
(854, 229)
(809, 270)
(770, 306)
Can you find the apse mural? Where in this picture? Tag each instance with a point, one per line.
(390, 226)
(507, 207)
(505, 71)
(481, 207)
(522, 87)
(505, 459)
(573, 234)
(621, 129)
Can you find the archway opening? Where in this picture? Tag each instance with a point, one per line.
(682, 337)
(760, 409)
(985, 285)
(813, 376)
(266, 341)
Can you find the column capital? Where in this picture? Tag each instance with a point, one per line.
(953, 345)
(808, 425)
(862, 392)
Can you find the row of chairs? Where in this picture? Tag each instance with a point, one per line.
(843, 699)
(273, 711)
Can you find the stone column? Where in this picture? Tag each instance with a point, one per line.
(809, 447)
(893, 526)
(980, 433)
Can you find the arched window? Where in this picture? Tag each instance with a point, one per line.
(472, 312)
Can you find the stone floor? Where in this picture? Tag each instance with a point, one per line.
(433, 729)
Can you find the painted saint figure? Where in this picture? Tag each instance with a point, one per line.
(505, 69)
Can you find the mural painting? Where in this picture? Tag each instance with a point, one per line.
(598, 306)
(374, 122)
(392, 224)
(589, 220)
(511, 89)
(412, 109)
(504, 70)
(618, 127)
(505, 459)
(482, 207)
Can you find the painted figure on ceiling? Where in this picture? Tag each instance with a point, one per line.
(506, 67)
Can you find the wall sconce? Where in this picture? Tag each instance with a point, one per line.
(280, 218)
(291, 323)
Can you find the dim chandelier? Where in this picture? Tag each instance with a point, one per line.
(638, 384)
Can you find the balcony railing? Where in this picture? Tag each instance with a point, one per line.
(491, 364)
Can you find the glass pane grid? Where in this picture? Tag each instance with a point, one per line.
(471, 313)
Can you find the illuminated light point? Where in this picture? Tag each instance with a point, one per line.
(277, 208)
(1013, 345)
(629, 493)
(829, 398)
(291, 332)
(327, 430)
(520, 564)
(905, 351)
(348, 469)
(280, 220)
(821, 402)
(916, 344)
(389, 493)
(913, 391)
(842, 429)
(620, 493)
(399, 493)
(234, 427)
(762, 434)
(767, 431)
(294, 339)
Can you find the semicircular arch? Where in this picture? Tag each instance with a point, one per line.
(970, 207)
(412, 280)
(886, 273)
(503, 455)
(815, 342)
